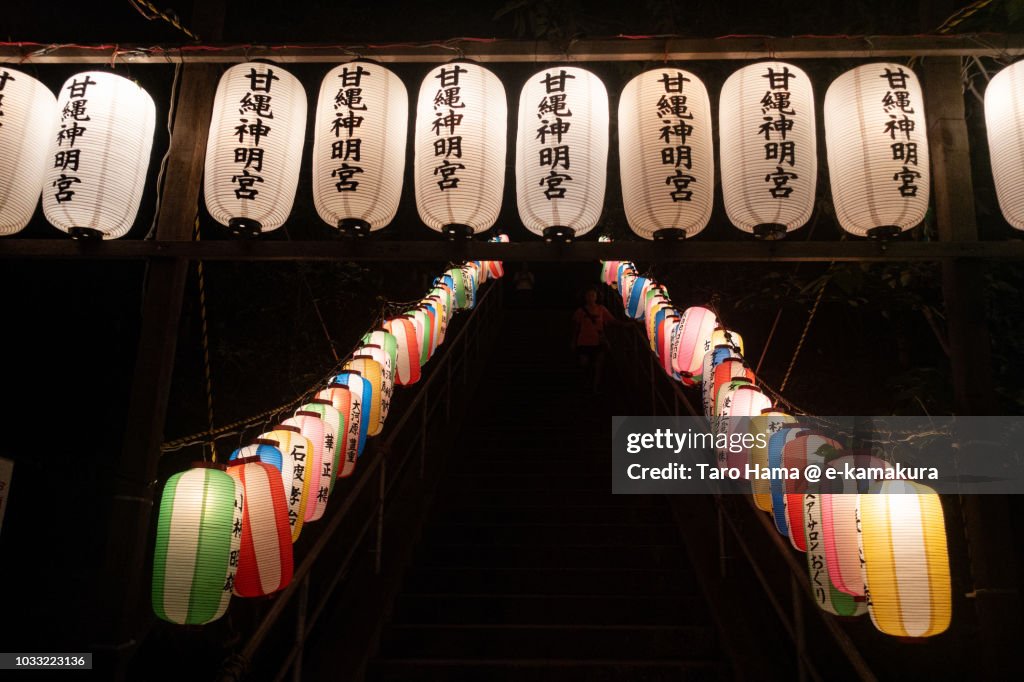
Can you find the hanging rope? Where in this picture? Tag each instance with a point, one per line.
(803, 336)
(206, 346)
(141, 6)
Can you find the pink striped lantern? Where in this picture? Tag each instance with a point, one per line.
(321, 466)
(296, 452)
(839, 521)
(334, 431)
(804, 450)
(348, 403)
(404, 330)
(747, 402)
(709, 372)
(693, 339)
(265, 559)
(610, 272)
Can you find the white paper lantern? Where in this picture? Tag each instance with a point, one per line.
(28, 117)
(877, 142)
(562, 152)
(461, 129)
(666, 154)
(254, 151)
(769, 148)
(359, 146)
(1004, 119)
(98, 156)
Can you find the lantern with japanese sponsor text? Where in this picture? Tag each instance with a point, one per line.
(265, 560)
(766, 425)
(692, 339)
(296, 474)
(334, 432)
(320, 461)
(806, 449)
(29, 118)
(407, 346)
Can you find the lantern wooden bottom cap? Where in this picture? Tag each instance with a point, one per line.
(85, 233)
(770, 231)
(353, 227)
(559, 233)
(883, 232)
(669, 234)
(244, 227)
(456, 231)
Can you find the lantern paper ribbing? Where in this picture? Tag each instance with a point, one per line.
(254, 150)
(361, 392)
(100, 155)
(1004, 121)
(769, 151)
(906, 566)
(198, 531)
(768, 422)
(562, 152)
(319, 463)
(348, 402)
(824, 591)
(689, 343)
(359, 146)
(877, 149)
(407, 369)
(29, 112)
(666, 156)
(461, 132)
(296, 451)
(387, 385)
(265, 559)
(334, 428)
(266, 451)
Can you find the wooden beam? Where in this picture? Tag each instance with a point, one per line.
(372, 249)
(501, 50)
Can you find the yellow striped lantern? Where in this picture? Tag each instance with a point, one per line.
(29, 112)
(804, 450)
(346, 394)
(373, 373)
(727, 337)
(826, 595)
(334, 432)
(296, 477)
(657, 313)
(839, 520)
(906, 564)
(692, 340)
(769, 422)
(407, 349)
(321, 461)
(387, 376)
(656, 306)
(424, 333)
(265, 560)
(712, 379)
(198, 534)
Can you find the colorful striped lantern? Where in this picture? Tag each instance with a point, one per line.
(433, 318)
(334, 433)
(610, 272)
(1004, 122)
(265, 559)
(320, 467)
(906, 564)
(386, 340)
(666, 154)
(693, 340)
(666, 330)
(637, 296)
(387, 381)
(768, 422)
(625, 269)
(359, 146)
(712, 378)
(267, 451)
(361, 396)
(198, 535)
(29, 113)
(826, 595)
(722, 409)
(424, 333)
(746, 402)
(254, 151)
(769, 150)
(456, 280)
(407, 349)
(347, 402)
(800, 452)
(727, 337)
(777, 486)
(373, 390)
(839, 522)
(460, 145)
(296, 480)
(100, 155)
(877, 143)
(562, 152)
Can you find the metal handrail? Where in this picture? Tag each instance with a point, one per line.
(376, 470)
(799, 585)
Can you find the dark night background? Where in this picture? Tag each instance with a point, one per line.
(70, 331)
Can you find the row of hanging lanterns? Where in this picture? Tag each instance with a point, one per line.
(87, 152)
(881, 552)
(229, 530)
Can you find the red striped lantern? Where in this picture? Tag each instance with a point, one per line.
(424, 333)
(808, 448)
(265, 556)
(407, 370)
(321, 466)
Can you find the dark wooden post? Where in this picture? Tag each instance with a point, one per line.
(986, 519)
(122, 601)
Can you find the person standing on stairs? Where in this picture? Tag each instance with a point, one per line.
(589, 341)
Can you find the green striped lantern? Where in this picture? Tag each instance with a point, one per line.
(198, 539)
(456, 279)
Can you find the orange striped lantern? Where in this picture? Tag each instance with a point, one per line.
(265, 556)
(321, 461)
(334, 431)
(296, 477)
(371, 372)
(769, 422)
(407, 366)
(906, 563)
(693, 340)
(347, 398)
(799, 453)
